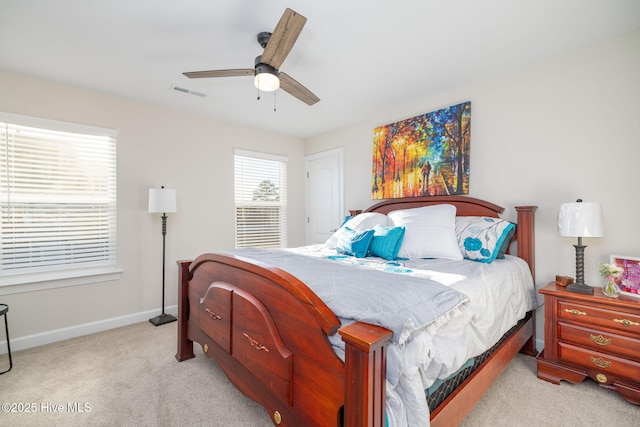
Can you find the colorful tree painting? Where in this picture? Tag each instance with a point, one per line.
(426, 155)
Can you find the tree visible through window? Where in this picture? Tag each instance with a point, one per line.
(266, 192)
(260, 200)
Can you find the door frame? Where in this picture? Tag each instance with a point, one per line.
(339, 152)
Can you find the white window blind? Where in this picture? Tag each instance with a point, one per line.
(260, 186)
(57, 199)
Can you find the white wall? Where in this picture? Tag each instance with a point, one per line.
(156, 146)
(551, 133)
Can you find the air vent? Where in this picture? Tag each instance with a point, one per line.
(189, 91)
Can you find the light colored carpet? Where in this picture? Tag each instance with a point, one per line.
(130, 377)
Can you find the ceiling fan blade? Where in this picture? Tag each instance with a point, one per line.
(220, 73)
(288, 84)
(283, 38)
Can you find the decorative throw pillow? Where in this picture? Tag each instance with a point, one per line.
(362, 222)
(430, 232)
(506, 241)
(350, 242)
(482, 238)
(386, 241)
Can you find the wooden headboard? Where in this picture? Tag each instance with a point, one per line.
(465, 206)
(469, 206)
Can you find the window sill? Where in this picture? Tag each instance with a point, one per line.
(57, 279)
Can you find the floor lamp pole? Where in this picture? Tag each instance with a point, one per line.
(163, 318)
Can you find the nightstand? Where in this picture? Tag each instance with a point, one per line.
(594, 336)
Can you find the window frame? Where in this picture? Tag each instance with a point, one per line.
(56, 278)
(282, 185)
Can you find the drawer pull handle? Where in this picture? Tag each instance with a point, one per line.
(255, 344)
(600, 340)
(212, 314)
(626, 322)
(575, 312)
(600, 362)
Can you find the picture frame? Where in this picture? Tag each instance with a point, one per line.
(630, 279)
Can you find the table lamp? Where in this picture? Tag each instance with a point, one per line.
(580, 219)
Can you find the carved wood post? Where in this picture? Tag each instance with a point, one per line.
(527, 251)
(526, 236)
(185, 345)
(365, 374)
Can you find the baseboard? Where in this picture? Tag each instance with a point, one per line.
(55, 335)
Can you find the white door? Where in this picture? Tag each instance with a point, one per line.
(325, 203)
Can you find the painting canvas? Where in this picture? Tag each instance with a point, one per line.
(426, 155)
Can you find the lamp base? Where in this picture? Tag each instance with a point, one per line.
(162, 319)
(580, 288)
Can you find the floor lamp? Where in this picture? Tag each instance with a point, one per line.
(580, 219)
(162, 200)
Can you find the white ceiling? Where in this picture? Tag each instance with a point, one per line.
(360, 57)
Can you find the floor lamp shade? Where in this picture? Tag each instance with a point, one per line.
(162, 200)
(580, 219)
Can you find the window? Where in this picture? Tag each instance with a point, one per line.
(260, 199)
(57, 199)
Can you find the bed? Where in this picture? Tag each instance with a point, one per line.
(282, 345)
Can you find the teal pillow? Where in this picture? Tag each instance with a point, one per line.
(352, 243)
(505, 244)
(386, 241)
(482, 238)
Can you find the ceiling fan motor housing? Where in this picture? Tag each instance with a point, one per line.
(261, 67)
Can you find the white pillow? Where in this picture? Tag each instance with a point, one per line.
(359, 223)
(430, 232)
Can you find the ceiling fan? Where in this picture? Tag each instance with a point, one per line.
(277, 45)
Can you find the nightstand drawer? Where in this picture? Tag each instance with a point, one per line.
(604, 341)
(600, 362)
(599, 316)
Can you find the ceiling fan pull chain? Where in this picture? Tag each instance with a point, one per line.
(258, 95)
(274, 101)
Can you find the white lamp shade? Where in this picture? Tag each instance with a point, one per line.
(580, 219)
(162, 200)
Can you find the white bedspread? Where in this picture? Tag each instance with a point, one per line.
(500, 294)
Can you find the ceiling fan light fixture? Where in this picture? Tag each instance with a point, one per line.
(266, 82)
(267, 78)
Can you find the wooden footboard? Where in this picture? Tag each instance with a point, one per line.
(268, 332)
